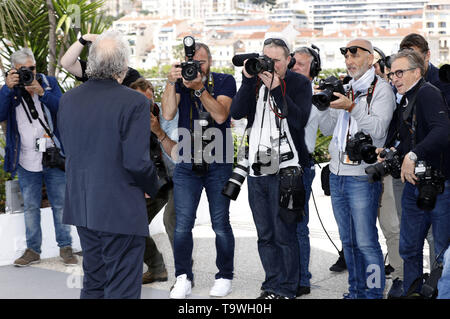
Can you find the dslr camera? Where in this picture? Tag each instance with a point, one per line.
(329, 85)
(391, 165)
(190, 68)
(360, 148)
(52, 158)
(205, 121)
(263, 161)
(430, 183)
(259, 64)
(26, 76)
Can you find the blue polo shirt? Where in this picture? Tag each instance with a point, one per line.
(224, 84)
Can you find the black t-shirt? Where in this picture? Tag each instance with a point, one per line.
(132, 74)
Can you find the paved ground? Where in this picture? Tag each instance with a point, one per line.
(51, 279)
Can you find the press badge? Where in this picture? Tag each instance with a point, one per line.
(346, 160)
(41, 144)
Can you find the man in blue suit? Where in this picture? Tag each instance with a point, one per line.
(105, 129)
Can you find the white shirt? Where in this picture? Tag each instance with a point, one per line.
(312, 126)
(265, 138)
(30, 159)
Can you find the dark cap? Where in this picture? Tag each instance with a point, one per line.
(132, 75)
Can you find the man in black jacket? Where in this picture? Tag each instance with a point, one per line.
(277, 106)
(419, 131)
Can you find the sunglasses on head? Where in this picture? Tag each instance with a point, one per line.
(353, 49)
(276, 41)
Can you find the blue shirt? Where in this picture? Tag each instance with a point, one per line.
(224, 84)
(171, 129)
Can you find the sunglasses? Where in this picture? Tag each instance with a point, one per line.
(398, 73)
(275, 41)
(352, 49)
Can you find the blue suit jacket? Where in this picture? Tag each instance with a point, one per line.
(105, 129)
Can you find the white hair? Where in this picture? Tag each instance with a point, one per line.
(22, 56)
(109, 56)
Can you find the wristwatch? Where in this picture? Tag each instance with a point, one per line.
(83, 41)
(198, 93)
(412, 156)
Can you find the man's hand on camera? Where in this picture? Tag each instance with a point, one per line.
(174, 73)
(12, 79)
(196, 84)
(266, 77)
(378, 151)
(35, 87)
(408, 168)
(342, 102)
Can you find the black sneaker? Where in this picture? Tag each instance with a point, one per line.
(340, 264)
(267, 295)
(303, 290)
(283, 297)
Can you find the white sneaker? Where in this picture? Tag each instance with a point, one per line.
(221, 288)
(182, 288)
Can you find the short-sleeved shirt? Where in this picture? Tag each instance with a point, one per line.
(132, 74)
(224, 84)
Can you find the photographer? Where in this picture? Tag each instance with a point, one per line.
(29, 102)
(277, 104)
(367, 107)
(71, 62)
(209, 95)
(163, 133)
(419, 131)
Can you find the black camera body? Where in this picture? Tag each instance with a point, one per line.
(52, 158)
(329, 85)
(257, 65)
(392, 165)
(26, 76)
(205, 121)
(190, 68)
(430, 183)
(262, 161)
(156, 155)
(360, 148)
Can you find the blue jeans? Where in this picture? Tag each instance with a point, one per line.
(414, 227)
(303, 230)
(355, 204)
(187, 190)
(444, 282)
(277, 241)
(31, 188)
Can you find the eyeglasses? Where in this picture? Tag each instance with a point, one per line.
(398, 73)
(276, 41)
(353, 49)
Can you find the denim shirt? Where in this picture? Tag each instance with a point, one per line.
(171, 129)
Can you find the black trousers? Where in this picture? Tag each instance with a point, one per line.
(112, 265)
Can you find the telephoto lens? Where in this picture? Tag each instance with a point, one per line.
(234, 184)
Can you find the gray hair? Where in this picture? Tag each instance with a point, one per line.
(21, 56)
(415, 60)
(109, 56)
(304, 50)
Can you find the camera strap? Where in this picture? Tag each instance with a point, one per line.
(210, 89)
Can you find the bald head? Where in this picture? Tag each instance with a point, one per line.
(363, 43)
(108, 57)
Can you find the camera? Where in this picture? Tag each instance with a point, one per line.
(359, 148)
(190, 68)
(391, 165)
(259, 64)
(263, 162)
(430, 183)
(322, 99)
(156, 155)
(205, 120)
(52, 158)
(240, 172)
(26, 76)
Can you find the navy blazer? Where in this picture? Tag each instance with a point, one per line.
(105, 129)
(298, 99)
